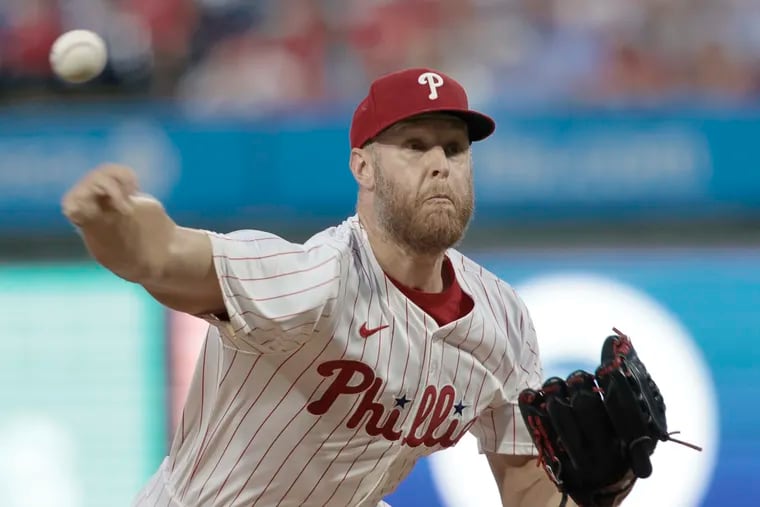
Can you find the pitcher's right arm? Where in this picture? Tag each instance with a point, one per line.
(132, 235)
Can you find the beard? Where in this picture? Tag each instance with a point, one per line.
(426, 228)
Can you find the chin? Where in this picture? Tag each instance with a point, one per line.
(440, 232)
(440, 211)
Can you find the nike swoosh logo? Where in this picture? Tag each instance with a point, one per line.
(366, 332)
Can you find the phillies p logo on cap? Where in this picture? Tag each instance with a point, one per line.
(433, 80)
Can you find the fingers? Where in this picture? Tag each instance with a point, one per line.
(110, 195)
(125, 176)
(566, 422)
(588, 403)
(640, 450)
(588, 406)
(529, 398)
(532, 405)
(100, 194)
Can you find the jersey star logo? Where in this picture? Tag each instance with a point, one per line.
(459, 407)
(366, 332)
(400, 402)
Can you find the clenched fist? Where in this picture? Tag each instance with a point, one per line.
(102, 194)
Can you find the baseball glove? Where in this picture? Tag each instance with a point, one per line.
(595, 433)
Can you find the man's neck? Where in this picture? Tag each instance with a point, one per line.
(411, 269)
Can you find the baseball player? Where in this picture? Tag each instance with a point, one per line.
(331, 366)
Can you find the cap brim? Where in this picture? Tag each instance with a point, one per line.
(479, 125)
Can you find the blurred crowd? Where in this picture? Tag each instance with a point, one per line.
(254, 55)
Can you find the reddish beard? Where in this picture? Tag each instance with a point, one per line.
(424, 227)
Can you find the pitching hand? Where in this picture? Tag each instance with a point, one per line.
(100, 195)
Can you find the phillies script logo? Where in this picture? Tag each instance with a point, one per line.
(429, 426)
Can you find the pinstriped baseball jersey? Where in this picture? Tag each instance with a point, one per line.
(326, 383)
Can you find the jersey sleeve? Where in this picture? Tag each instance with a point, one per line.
(277, 294)
(500, 429)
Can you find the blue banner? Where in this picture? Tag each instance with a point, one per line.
(227, 172)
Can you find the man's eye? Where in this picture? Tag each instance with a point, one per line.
(453, 149)
(415, 145)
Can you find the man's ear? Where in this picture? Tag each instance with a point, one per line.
(362, 168)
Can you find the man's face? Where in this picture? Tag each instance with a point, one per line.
(423, 182)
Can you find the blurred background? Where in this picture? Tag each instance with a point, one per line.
(620, 188)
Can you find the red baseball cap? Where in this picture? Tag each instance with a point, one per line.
(410, 92)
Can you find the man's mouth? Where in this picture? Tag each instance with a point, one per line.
(440, 197)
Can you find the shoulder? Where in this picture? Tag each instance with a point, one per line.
(332, 241)
(342, 236)
(483, 284)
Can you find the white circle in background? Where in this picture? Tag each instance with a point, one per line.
(462, 477)
(573, 313)
(37, 463)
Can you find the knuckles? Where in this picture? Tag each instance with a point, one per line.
(80, 203)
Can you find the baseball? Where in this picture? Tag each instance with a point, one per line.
(78, 56)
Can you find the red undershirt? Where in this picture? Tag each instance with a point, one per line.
(446, 306)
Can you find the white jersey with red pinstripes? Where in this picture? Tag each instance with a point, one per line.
(327, 383)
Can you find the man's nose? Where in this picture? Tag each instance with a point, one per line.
(437, 162)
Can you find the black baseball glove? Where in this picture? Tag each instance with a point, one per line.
(595, 433)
